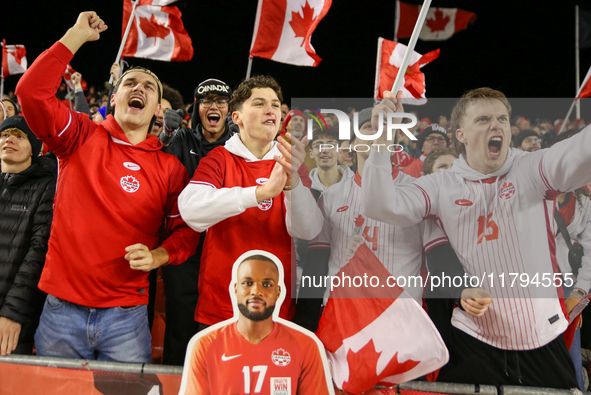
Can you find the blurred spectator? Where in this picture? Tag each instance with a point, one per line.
(80, 103)
(424, 123)
(439, 160)
(442, 121)
(522, 123)
(346, 156)
(324, 152)
(10, 107)
(27, 186)
(528, 140)
(171, 100)
(432, 138)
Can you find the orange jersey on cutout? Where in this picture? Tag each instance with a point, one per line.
(223, 362)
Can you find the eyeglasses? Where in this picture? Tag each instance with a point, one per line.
(220, 103)
(439, 139)
(532, 140)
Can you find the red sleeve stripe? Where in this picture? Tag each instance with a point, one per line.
(434, 243)
(203, 183)
(427, 201)
(67, 126)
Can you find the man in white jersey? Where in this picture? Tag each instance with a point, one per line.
(399, 249)
(495, 205)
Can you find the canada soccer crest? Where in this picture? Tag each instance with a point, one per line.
(266, 204)
(280, 357)
(508, 191)
(129, 184)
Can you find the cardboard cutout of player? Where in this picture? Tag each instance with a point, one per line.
(256, 351)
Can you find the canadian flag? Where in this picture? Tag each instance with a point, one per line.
(585, 89)
(13, 59)
(377, 335)
(157, 32)
(283, 29)
(68, 78)
(390, 56)
(440, 24)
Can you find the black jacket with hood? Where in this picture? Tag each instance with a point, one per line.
(26, 209)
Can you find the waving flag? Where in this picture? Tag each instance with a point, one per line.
(283, 29)
(157, 32)
(390, 56)
(68, 78)
(377, 335)
(441, 23)
(13, 59)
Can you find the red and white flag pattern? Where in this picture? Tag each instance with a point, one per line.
(440, 24)
(13, 59)
(377, 335)
(283, 29)
(157, 32)
(68, 78)
(585, 89)
(390, 56)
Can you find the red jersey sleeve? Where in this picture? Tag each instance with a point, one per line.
(182, 241)
(62, 130)
(211, 170)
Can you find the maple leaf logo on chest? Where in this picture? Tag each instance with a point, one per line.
(152, 28)
(439, 22)
(301, 25)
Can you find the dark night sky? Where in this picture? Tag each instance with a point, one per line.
(523, 48)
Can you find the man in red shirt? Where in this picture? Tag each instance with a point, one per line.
(115, 210)
(257, 352)
(243, 195)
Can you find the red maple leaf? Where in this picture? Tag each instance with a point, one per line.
(151, 28)
(362, 368)
(18, 53)
(301, 25)
(439, 23)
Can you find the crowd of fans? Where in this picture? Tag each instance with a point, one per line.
(126, 214)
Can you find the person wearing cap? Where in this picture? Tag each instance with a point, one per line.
(190, 145)
(528, 140)
(434, 137)
(115, 216)
(27, 186)
(210, 129)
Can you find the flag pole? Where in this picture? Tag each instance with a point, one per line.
(396, 19)
(249, 68)
(127, 29)
(257, 20)
(574, 101)
(411, 47)
(577, 59)
(2, 71)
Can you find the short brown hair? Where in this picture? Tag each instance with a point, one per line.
(459, 110)
(244, 90)
(433, 156)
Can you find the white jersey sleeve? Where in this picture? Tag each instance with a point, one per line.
(395, 201)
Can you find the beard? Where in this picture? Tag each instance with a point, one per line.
(254, 316)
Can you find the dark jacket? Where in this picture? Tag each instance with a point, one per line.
(189, 146)
(26, 209)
